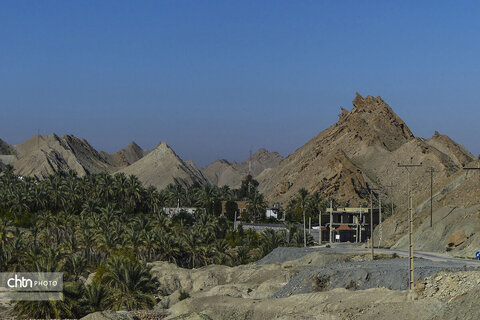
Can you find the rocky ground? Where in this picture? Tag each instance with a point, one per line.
(315, 283)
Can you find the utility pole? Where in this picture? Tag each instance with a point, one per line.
(409, 167)
(235, 221)
(431, 170)
(379, 210)
(361, 217)
(390, 187)
(319, 227)
(331, 220)
(371, 222)
(304, 231)
(379, 219)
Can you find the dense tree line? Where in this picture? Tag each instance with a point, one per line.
(113, 226)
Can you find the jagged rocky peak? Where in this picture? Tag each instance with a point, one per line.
(375, 122)
(163, 147)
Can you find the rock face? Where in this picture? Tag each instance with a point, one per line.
(222, 172)
(360, 151)
(42, 155)
(125, 157)
(161, 167)
(456, 239)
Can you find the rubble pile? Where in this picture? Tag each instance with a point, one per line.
(446, 286)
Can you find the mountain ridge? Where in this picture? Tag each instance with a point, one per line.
(372, 138)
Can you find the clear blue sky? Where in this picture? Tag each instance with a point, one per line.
(215, 78)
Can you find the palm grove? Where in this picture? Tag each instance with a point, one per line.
(112, 226)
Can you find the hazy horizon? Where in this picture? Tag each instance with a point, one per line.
(217, 79)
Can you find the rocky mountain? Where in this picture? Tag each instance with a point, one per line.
(161, 167)
(42, 155)
(360, 152)
(222, 172)
(128, 155)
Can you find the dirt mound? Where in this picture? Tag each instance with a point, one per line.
(127, 315)
(336, 304)
(362, 275)
(161, 167)
(222, 172)
(283, 254)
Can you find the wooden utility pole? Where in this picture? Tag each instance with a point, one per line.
(409, 167)
(319, 227)
(361, 216)
(431, 170)
(371, 222)
(390, 188)
(331, 220)
(379, 220)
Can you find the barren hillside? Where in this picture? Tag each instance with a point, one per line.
(360, 151)
(128, 155)
(42, 155)
(162, 166)
(222, 172)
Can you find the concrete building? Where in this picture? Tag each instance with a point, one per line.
(348, 224)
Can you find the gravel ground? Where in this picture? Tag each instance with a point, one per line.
(283, 254)
(391, 274)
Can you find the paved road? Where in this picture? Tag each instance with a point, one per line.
(434, 256)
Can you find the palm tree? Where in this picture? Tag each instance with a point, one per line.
(75, 265)
(191, 244)
(134, 192)
(131, 283)
(256, 205)
(270, 240)
(95, 297)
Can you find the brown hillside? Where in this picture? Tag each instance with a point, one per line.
(221, 172)
(372, 140)
(128, 155)
(45, 154)
(161, 167)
